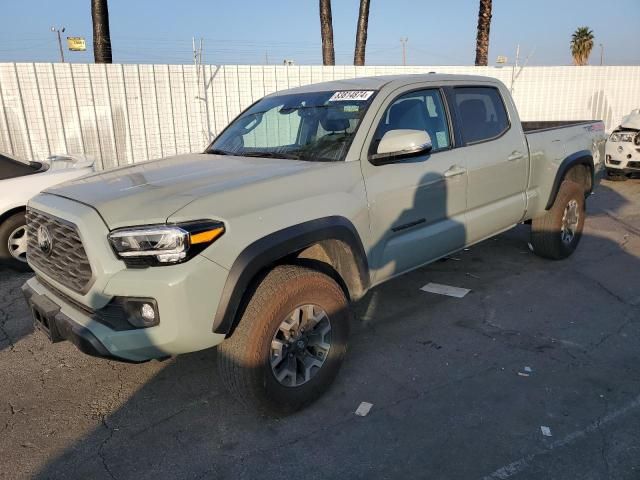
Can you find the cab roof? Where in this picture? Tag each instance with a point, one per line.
(378, 82)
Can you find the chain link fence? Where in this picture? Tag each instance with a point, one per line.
(121, 114)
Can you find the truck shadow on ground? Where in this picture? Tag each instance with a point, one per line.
(12, 328)
(182, 423)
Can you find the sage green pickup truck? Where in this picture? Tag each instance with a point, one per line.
(307, 200)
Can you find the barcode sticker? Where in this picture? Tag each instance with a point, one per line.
(351, 95)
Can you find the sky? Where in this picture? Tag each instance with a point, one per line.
(269, 31)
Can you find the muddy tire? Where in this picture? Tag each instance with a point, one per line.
(13, 245)
(290, 342)
(556, 234)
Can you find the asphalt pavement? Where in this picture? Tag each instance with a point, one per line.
(460, 387)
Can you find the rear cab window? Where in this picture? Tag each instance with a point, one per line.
(481, 112)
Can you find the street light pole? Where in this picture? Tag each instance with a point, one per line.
(601, 54)
(58, 31)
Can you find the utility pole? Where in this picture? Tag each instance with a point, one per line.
(403, 41)
(58, 31)
(515, 65)
(514, 74)
(601, 54)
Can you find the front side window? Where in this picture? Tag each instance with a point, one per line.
(419, 110)
(481, 112)
(313, 126)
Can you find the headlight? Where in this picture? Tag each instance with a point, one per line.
(622, 137)
(164, 244)
(626, 137)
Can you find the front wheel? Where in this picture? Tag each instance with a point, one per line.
(13, 242)
(290, 343)
(556, 234)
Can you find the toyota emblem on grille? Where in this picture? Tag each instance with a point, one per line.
(45, 242)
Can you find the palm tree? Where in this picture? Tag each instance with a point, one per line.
(361, 34)
(482, 39)
(101, 35)
(326, 31)
(581, 45)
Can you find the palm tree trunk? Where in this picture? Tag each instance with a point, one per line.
(482, 40)
(101, 35)
(326, 30)
(361, 34)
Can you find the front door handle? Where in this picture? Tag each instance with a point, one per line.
(455, 170)
(515, 155)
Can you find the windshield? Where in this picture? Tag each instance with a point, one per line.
(314, 126)
(12, 167)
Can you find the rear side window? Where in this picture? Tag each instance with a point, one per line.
(481, 112)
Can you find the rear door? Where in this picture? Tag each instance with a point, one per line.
(495, 150)
(416, 205)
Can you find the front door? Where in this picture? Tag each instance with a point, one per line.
(417, 205)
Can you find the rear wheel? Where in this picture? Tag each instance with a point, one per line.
(289, 344)
(13, 242)
(557, 233)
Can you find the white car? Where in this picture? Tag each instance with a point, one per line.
(622, 157)
(19, 181)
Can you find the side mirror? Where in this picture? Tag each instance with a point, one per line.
(401, 143)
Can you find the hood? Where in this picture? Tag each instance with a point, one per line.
(150, 192)
(632, 120)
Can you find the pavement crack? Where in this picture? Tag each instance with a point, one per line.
(101, 453)
(627, 226)
(605, 444)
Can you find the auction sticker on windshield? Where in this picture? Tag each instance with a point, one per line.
(351, 95)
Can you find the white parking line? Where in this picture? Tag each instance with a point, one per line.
(519, 465)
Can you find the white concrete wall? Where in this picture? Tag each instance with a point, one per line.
(120, 114)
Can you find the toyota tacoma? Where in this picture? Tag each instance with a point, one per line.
(308, 199)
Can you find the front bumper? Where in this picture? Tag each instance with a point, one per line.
(58, 326)
(187, 298)
(623, 157)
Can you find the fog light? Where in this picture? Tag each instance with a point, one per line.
(147, 312)
(141, 312)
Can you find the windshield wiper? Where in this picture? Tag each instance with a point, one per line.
(217, 151)
(287, 156)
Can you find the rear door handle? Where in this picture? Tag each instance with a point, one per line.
(515, 155)
(455, 170)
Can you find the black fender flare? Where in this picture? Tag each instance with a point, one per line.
(268, 250)
(583, 157)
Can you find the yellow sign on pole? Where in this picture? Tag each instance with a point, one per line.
(76, 44)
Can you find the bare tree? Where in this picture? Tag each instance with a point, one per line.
(101, 35)
(326, 30)
(361, 34)
(482, 40)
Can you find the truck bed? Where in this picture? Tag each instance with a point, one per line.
(550, 143)
(539, 125)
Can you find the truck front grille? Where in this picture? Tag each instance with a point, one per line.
(65, 261)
